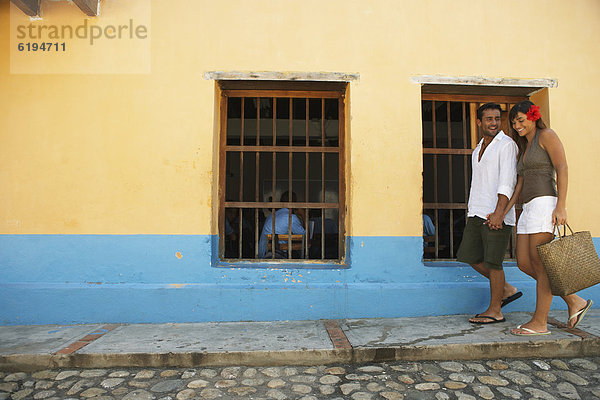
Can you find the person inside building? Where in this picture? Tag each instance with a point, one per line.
(428, 227)
(282, 226)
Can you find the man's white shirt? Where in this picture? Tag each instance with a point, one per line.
(495, 174)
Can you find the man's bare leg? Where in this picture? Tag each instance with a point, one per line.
(497, 282)
(508, 289)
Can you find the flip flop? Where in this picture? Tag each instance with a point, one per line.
(580, 314)
(510, 299)
(529, 332)
(492, 320)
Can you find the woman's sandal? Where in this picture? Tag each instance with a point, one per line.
(580, 314)
(528, 332)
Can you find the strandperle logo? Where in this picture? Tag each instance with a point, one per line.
(62, 41)
(82, 31)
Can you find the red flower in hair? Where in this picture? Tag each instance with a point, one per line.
(534, 113)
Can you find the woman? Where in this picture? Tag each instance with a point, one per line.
(541, 157)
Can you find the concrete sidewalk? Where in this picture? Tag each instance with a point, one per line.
(27, 348)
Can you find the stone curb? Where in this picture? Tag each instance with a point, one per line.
(584, 347)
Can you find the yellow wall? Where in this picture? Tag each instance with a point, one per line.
(133, 153)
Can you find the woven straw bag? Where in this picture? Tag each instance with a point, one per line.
(571, 262)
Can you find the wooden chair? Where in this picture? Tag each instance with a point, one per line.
(297, 242)
(429, 245)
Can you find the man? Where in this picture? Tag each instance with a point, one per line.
(282, 217)
(428, 227)
(487, 233)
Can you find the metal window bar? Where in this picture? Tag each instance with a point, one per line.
(306, 125)
(256, 198)
(306, 191)
(289, 252)
(279, 204)
(307, 143)
(323, 179)
(449, 133)
(273, 216)
(241, 197)
(274, 175)
(323, 122)
(465, 159)
(435, 181)
(290, 166)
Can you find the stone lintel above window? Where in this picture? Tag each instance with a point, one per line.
(484, 81)
(281, 76)
(480, 85)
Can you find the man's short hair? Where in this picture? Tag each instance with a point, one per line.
(487, 106)
(285, 197)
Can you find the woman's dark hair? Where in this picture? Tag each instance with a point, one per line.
(522, 106)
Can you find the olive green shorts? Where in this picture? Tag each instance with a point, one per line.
(480, 244)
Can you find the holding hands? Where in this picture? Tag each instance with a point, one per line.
(494, 220)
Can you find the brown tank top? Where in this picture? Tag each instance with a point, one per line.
(538, 172)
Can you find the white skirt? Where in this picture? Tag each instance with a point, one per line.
(537, 216)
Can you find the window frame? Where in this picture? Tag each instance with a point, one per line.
(290, 90)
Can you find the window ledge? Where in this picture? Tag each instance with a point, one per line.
(281, 76)
(255, 264)
(484, 81)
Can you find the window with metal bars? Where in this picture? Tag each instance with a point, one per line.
(450, 134)
(282, 171)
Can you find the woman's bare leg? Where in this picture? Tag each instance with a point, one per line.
(523, 260)
(539, 320)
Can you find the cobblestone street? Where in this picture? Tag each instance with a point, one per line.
(576, 378)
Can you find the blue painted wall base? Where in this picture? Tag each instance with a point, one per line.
(68, 279)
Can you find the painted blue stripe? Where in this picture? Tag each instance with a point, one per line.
(67, 279)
